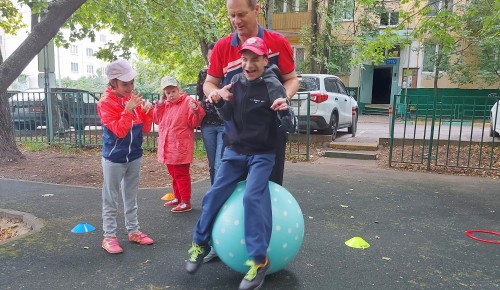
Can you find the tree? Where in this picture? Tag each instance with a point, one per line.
(174, 35)
(173, 38)
(329, 40)
(57, 12)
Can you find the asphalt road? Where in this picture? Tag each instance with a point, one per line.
(414, 222)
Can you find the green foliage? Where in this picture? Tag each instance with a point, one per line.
(10, 18)
(329, 49)
(465, 35)
(482, 31)
(167, 35)
(91, 84)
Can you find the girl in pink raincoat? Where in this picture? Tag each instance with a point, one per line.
(177, 115)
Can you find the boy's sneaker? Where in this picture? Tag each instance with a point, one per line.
(196, 255)
(111, 245)
(140, 238)
(183, 207)
(255, 275)
(210, 256)
(173, 202)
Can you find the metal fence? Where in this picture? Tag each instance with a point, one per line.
(448, 131)
(69, 117)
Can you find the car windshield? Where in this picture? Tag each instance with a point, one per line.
(308, 84)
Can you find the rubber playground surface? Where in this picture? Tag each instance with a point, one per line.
(415, 224)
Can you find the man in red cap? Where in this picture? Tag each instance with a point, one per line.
(250, 114)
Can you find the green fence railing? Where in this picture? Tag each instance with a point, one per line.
(69, 117)
(447, 131)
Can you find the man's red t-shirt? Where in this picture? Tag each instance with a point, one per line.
(225, 61)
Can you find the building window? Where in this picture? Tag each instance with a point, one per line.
(90, 69)
(74, 67)
(439, 5)
(73, 49)
(102, 38)
(429, 56)
(290, 5)
(389, 18)
(348, 10)
(431, 51)
(90, 52)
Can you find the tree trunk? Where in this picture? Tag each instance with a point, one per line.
(314, 37)
(269, 14)
(57, 13)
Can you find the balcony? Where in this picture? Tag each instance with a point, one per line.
(289, 24)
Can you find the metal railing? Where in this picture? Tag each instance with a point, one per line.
(449, 131)
(70, 118)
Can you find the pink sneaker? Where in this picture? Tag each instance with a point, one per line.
(111, 245)
(183, 207)
(173, 202)
(140, 238)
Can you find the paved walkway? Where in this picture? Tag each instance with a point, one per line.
(415, 223)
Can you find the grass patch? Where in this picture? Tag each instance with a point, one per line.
(34, 146)
(39, 146)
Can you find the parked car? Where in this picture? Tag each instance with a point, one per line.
(331, 106)
(190, 89)
(495, 120)
(73, 108)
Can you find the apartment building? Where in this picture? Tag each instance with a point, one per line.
(405, 67)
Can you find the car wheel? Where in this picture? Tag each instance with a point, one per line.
(334, 126)
(354, 126)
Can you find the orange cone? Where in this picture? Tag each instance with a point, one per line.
(168, 196)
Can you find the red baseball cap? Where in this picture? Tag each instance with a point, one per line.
(255, 45)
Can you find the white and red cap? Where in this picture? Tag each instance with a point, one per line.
(255, 45)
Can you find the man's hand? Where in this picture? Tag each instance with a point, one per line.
(279, 105)
(225, 93)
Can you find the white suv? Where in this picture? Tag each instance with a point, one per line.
(495, 120)
(331, 106)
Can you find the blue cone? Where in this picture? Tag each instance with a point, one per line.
(82, 228)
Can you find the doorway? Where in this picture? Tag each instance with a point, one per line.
(381, 91)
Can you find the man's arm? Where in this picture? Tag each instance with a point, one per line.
(291, 83)
(211, 83)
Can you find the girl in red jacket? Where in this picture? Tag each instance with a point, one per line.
(177, 115)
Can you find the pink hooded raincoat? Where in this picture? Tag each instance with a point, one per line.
(176, 124)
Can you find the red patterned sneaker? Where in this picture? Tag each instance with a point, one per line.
(183, 207)
(112, 246)
(140, 238)
(173, 202)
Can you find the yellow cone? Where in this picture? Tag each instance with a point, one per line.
(357, 243)
(168, 196)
